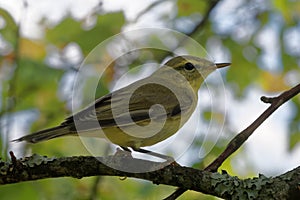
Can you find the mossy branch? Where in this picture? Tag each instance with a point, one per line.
(35, 167)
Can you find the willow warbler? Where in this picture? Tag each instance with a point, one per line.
(143, 113)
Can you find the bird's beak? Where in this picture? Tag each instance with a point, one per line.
(221, 65)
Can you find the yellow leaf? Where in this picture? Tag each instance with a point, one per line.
(273, 82)
(32, 49)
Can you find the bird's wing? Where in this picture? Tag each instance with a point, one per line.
(86, 119)
(138, 103)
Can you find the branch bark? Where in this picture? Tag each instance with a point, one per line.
(285, 186)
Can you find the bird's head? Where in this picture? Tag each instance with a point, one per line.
(192, 68)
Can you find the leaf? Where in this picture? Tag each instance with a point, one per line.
(9, 32)
(189, 7)
(294, 140)
(70, 30)
(272, 82)
(27, 191)
(289, 11)
(294, 127)
(289, 62)
(32, 49)
(37, 86)
(242, 73)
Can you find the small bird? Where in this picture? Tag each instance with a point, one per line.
(143, 113)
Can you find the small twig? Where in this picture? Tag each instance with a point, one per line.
(178, 192)
(151, 6)
(13, 158)
(200, 25)
(238, 140)
(15, 162)
(97, 182)
(193, 32)
(267, 99)
(94, 189)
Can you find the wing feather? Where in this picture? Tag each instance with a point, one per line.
(140, 102)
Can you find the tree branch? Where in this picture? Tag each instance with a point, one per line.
(241, 138)
(36, 167)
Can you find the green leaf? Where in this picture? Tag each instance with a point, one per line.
(242, 73)
(294, 127)
(70, 30)
(288, 62)
(287, 10)
(24, 190)
(37, 86)
(189, 7)
(9, 32)
(294, 140)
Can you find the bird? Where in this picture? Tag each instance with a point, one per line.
(143, 113)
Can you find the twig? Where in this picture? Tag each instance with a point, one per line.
(151, 6)
(94, 189)
(240, 139)
(178, 192)
(97, 182)
(15, 162)
(13, 158)
(200, 25)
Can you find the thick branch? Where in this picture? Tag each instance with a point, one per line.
(36, 167)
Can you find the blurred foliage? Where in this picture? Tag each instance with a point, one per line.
(70, 30)
(33, 74)
(187, 8)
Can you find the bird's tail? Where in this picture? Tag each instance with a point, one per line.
(46, 134)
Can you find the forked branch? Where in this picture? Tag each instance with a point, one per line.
(241, 138)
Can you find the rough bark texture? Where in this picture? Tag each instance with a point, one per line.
(285, 186)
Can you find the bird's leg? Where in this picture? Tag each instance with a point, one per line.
(125, 149)
(169, 159)
(158, 155)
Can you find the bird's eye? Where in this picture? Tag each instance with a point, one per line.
(189, 66)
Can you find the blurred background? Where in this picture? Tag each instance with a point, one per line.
(44, 43)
